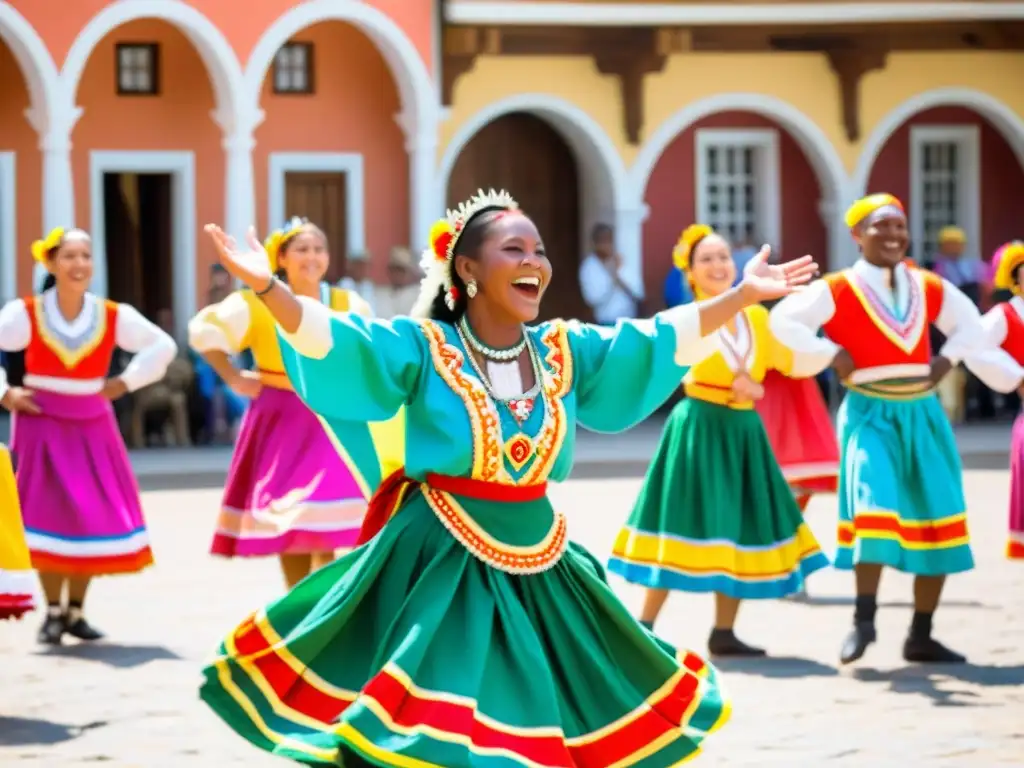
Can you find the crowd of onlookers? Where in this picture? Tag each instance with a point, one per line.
(611, 294)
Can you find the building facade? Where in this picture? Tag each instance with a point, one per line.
(141, 120)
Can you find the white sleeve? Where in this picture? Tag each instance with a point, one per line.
(220, 327)
(960, 322)
(993, 365)
(595, 283)
(313, 337)
(691, 347)
(796, 320)
(154, 349)
(15, 333)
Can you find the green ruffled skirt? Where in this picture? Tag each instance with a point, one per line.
(411, 651)
(715, 513)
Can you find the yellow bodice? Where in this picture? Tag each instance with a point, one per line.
(261, 336)
(752, 349)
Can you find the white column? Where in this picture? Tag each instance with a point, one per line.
(842, 252)
(629, 238)
(239, 184)
(426, 200)
(59, 186)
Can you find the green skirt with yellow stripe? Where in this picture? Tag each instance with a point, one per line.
(414, 650)
(715, 513)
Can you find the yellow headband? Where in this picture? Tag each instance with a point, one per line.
(279, 238)
(952, 235)
(41, 248)
(692, 235)
(860, 210)
(1008, 258)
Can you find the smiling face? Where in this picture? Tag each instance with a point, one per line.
(511, 268)
(883, 238)
(712, 269)
(304, 258)
(71, 261)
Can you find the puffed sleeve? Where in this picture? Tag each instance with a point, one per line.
(221, 327)
(990, 362)
(795, 322)
(960, 322)
(15, 333)
(345, 366)
(623, 374)
(153, 348)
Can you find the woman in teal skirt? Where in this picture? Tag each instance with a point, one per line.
(715, 513)
(467, 630)
(901, 496)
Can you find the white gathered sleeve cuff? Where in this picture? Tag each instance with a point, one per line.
(220, 327)
(153, 348)
(807, 364)
(691, 347)
(15, 334)
(960, 322)
(795, 322)
(313, 337)
(992, 364)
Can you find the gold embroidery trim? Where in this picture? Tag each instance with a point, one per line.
(68, 357)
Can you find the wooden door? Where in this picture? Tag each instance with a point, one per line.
(124, 269)
(321, 198)
(524, 155)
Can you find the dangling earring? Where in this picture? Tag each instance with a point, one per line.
(471, 288)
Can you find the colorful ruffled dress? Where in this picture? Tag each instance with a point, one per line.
(469, 631)
(715, 513)
(79, 498)
(17, 579)
(901, 498)
(291, 486)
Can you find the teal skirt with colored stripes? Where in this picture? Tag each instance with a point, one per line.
(901, 495)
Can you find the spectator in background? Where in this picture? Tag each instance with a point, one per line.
(357, 277)
(742, 252)
(677, 288)
(403, 286)
(603, 283)
(965, 271)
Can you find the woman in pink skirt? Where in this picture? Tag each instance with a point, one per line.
(1001, 367)
(80, 502)
(290, 492)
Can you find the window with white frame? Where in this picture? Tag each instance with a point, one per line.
(293, 69)
(138, 69)
(737, 177)
(944, 185)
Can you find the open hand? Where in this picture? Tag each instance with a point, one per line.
(247, 384)
(763, 281)
(251, 267)
(19, 400)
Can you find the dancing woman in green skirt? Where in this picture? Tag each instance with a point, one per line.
(467, 630)
(715, 513)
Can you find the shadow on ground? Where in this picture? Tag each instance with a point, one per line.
(939, 682)
(25, 731)
(112, 654)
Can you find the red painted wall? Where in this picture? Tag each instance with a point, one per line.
(671, 196)
(1002, 178)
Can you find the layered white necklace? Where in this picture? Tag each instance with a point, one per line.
(502, 376)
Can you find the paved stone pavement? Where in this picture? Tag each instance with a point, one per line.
(131, 703)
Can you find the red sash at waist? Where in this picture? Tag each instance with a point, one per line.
(391, 493)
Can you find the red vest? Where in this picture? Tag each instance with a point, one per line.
(47, 356)
(1013, 344)
(863, 327)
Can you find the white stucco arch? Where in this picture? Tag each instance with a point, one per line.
(415, 85)
(35, 62)
(603, 174)
(1009, 124)
(819, 151)
(222, 64)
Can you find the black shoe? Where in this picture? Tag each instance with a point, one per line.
(925, 650)
(52, 631)
(723, 642)
(83, 630)
(861, 636)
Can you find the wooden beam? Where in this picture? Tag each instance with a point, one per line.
(850, 64)
(631, 55)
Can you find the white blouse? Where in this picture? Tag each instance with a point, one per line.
(994, 365)
(153, 349)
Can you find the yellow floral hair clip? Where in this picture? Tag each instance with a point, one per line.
(41, 248)
(692, 235)
(1007, 258)
(279, 237)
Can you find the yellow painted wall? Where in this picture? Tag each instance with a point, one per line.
(805, 81)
